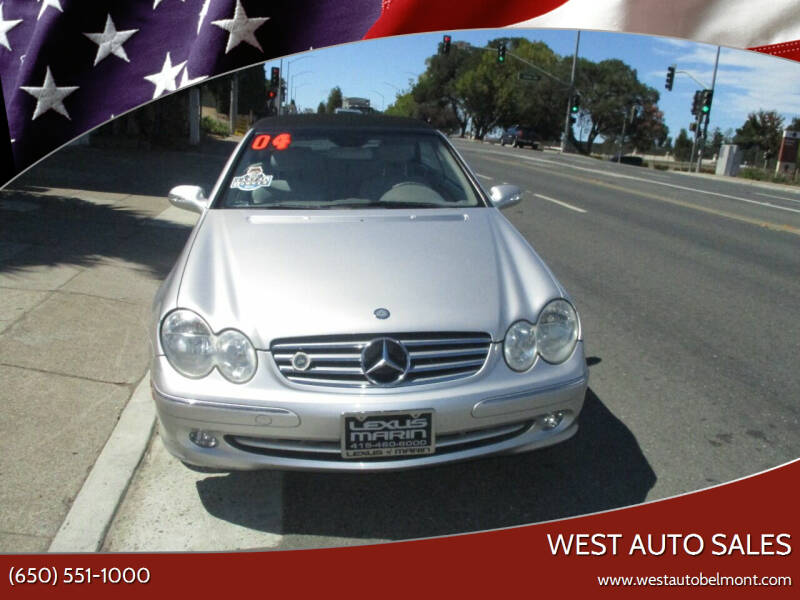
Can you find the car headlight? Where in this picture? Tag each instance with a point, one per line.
(519, 347)
(557, 331)
(235, 356)
(193, 349)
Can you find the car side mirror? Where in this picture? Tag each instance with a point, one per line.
(505, 195)
(188, 197)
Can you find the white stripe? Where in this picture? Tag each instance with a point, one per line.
(778, 197)
(564, 204)
(482, 176)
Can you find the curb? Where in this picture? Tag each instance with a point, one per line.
(90, 516)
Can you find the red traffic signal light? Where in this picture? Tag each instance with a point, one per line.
(446, 44)
(271, 94)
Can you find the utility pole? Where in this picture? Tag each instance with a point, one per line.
(234, 108)
(565, 137)
(622, 139)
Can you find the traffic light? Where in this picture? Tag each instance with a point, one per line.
(670, 77)
(705, 103)
(698, 95)
(446, 44)
(271, 95)
(501, 53)
(275, 79)
(576, 104)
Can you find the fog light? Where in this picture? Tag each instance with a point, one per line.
(552, 420)
(201, 438)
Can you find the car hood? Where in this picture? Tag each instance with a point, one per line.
(289, 273)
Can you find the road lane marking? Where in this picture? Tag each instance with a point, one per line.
(483, 176)
(644, 180)
(778, 197)
(651, 196)
(559, 202)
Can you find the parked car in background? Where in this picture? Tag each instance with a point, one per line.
(636, 161)
(518, 137)
(352, 299)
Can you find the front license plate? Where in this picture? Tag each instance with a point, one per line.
(378, 434)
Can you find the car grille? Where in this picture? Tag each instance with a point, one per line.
(336, 360)
(331, 451)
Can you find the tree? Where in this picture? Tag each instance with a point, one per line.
(683, 146)
(435, 93)
(539, 104)
(488, 92)
(760, 136)
(321, 108)
(609, 90)
(334, 100)
(713, 146)
(794, 125)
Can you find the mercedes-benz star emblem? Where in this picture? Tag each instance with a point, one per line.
(385, 361)
(381, 313)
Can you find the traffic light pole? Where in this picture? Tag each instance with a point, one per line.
(708, 114)
(565, 137)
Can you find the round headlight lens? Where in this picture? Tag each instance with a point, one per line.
(557, 331)
(235, 356)
(188, 343)
(519, 347)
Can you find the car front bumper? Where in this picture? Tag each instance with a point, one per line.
(272, 423)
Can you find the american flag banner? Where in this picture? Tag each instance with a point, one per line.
(67, 66)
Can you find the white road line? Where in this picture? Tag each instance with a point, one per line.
(483, 176)
(778, 197)
(564, 204)
(651, 181)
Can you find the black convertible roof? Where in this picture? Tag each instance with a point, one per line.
(343, 120)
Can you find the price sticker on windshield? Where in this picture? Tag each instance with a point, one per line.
(263, 140)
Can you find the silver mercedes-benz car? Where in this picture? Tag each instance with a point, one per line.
(352, 299)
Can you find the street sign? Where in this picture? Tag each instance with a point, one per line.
(529, 76)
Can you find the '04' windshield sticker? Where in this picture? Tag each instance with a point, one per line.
(253, 179)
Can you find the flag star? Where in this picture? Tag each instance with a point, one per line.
(165, 79)
(5, 27)
(49, 96)
(240, 28)
(53, 3)
(110, 41)
(185, 80)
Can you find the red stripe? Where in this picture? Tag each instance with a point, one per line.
(412, 16)
(790, 50)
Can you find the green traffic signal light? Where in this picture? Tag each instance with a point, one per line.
(501, 54)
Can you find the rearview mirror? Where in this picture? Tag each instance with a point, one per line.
(188, 197)
(505, 195)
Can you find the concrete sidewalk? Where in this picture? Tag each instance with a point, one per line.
(86, 238)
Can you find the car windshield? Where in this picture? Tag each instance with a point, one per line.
(331, 168)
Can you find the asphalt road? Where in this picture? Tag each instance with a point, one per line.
(689, 293)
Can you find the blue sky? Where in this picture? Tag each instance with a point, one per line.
(379, 69)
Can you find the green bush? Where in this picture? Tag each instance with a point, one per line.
(213, 126)
(750, 173)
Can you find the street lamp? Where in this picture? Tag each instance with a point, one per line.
(289, 66)
(383, 101)
(293, 83)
